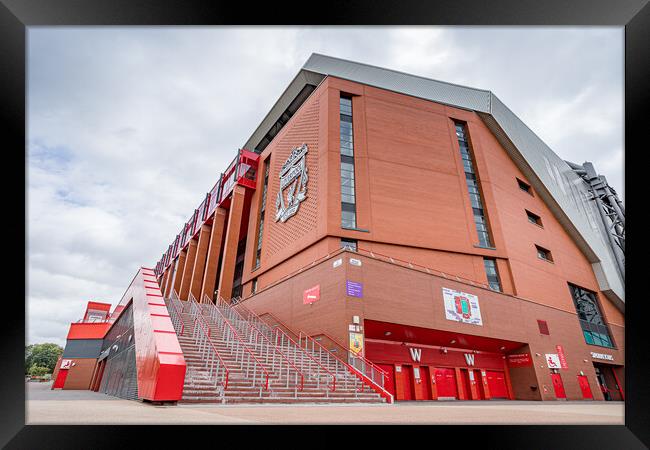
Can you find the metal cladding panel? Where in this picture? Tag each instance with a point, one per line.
(120, 373)
(437, 91)
(562, 190)
(82, 348)
(160, 377)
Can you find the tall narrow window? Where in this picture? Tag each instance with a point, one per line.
(492, 274)
(348, 200)
(473, 187)
(591, 320)
(260, 230)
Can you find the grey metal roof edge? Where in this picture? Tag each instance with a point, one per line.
(371, 66)
(301, 79)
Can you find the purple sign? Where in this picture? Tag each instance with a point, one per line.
(353, 289)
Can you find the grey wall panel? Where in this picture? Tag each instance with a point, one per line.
(82, 348)
(565, 193)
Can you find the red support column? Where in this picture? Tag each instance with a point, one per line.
(199, 262)
(232, 240)
(214, 250)
(184, 293)
(170, 276)
(180, 267)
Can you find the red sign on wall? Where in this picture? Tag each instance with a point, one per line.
(311, 295)
(520, 360)
(560, 354)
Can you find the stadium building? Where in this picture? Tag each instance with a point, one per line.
(380, 237)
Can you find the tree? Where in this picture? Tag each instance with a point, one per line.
(38, 371)
(42, 355)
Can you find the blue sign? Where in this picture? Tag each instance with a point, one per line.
(353, 289)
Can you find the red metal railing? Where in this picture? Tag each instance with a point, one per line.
(235, 338)
(253, 333)
(209, 352)
(177, 319)
(287, 341)
(242, 170)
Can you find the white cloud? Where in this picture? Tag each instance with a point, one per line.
(129, 127)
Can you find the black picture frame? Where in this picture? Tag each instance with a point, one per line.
(17, 15)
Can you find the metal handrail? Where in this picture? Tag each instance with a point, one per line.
(356, 354)
(348, 367)
(259, 320)
(177, 318)
(206, 337)
(244, 346)
(270, 344)
(382, 372)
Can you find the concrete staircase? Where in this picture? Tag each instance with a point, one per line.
(236, 359)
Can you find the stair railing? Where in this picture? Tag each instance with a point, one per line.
(215, 365)
(250, 364)
(263, 345)
(343, 369)
(289, 346)
(363, 365)
(175, 316)
(371, 371)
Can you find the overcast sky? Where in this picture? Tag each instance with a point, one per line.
(128, 128)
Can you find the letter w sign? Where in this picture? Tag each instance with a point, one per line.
(469, 358)
(416, 354)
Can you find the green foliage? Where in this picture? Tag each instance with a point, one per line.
(42, 355)
(38, 371)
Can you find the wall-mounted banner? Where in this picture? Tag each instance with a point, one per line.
(311, 295)
(560, 354)
(66, 363)
(519, 360)
(553, 361)
(356, 343)
(293, 178)
(461, 307)
(353, 289)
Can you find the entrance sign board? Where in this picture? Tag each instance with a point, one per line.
(519, 360)
(311, 295)
(602, 356)
(353, 289)
(461, 307)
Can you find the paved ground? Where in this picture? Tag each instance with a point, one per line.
(45, 406)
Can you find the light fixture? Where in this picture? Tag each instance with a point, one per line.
(502, 348)
(453, 341)
(387, 333)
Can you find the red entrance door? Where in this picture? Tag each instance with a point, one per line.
(60, 379)
(389, 378)
(558, 386)
(497, 384)
(584, 387)
(480, 388)
(446, 383)
(407, 383)
(426, 383)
